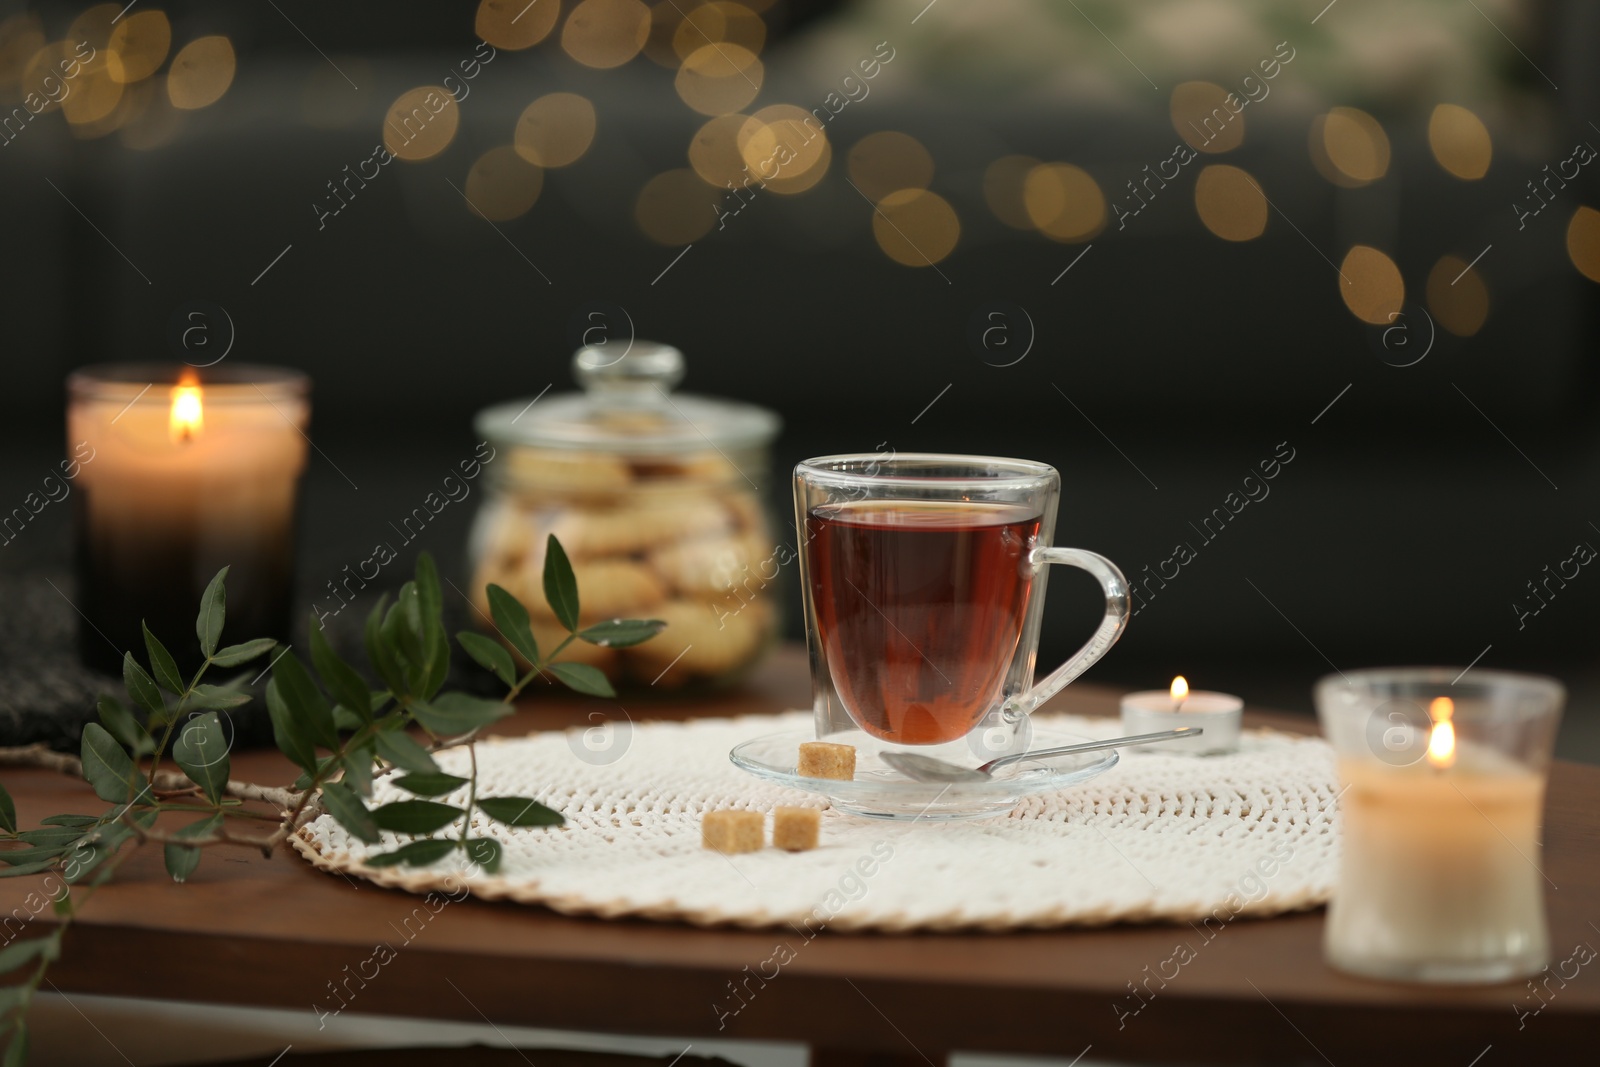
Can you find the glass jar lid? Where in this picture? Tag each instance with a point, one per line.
(627, 406)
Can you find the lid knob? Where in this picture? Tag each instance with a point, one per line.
(641, 376)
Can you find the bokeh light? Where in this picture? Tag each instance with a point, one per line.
(1202, 117)
(715, 23)
(502, 185)
(676, 208)
(606, 33)
(1063, 202)
(555, 130)
(717, 79)
(42, 75)
(784, 146)
(1460, 141)
(138, 46)
(1371, 285)
(1583, 242)
(201, 72)
(915, 227)
(1457, 296)
(714, 151)
(421, 123)
(516, 24)
(1230, 203)
(94, 27)
(1349, 148)
(1002, 190)
(881, 163)
(93, 95)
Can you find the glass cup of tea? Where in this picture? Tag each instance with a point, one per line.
(924, 579)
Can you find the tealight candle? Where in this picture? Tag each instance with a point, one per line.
(1218, 714)
(1439, 879)
(190, 474)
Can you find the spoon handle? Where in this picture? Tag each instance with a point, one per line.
(1091, 746)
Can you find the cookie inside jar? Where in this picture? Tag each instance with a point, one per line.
(657, 499)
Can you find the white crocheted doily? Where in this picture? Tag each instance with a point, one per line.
(1157, 837)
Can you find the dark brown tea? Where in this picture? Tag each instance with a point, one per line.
(920, 605)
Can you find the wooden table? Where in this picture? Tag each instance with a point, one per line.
(263, 932)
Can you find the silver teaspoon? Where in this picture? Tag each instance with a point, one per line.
(928, 769)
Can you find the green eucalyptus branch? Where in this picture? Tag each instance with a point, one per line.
(341, 730)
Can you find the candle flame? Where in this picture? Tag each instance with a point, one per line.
(1442, 738)
(188, 416)
(1179, 691)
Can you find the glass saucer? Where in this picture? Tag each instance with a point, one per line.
(878, 791)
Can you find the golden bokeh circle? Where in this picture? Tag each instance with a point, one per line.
(555, 130)
(717, 79)
(1349, 147)
(94, 94)
(1230, 203)
(784, 146)
(915, 227)
(201, 72)
(421, 123)
(1457, 296)
(1002, 190)
(716, 22)
(1371, 285)
(606, 33)
(1460, 141)
(676, 208)
(714, 151)
(502, 185)
(139, 45)
(1202, 117)
(883, 162)
(1583, 242)
(45, 69)
(1063, 202)
(516, 24)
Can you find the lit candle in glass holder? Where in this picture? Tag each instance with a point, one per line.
(190, 473)
(1439, 879)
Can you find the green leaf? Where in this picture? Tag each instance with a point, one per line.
(309, 707)
(583, 678)
(424, 785)
(215, 696)
(519, 811)
(141, 687)
(415, 854)
(122, 725)
(402, 750)
(47, 836)
(213, 609)
(621, 633)
(234, 655)
(511, 619)
(8, 811)
(357, 763)
(485, 852)
(161, 662)
(431, 599)
(22, 870)
(438, 661)
(379, 653)
(489, 654)
(344, 805)
(560, 584)
(415, 816)
(182, 860)
(459, 713)
(403, 626)
(346, 686)
(202, 752)
(287, 733)
(76, 821)
(106, 766)
(27, 857)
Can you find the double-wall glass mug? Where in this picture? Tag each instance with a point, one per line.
(924, 581)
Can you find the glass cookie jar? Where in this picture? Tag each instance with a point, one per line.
(658, 500)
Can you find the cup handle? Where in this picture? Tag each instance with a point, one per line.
(1111, 627)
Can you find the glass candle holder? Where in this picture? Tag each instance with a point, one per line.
(183, 473)
(1444, 776)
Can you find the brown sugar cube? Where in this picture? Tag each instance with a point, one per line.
(823, 759)
(732, 831)
(796, 829)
